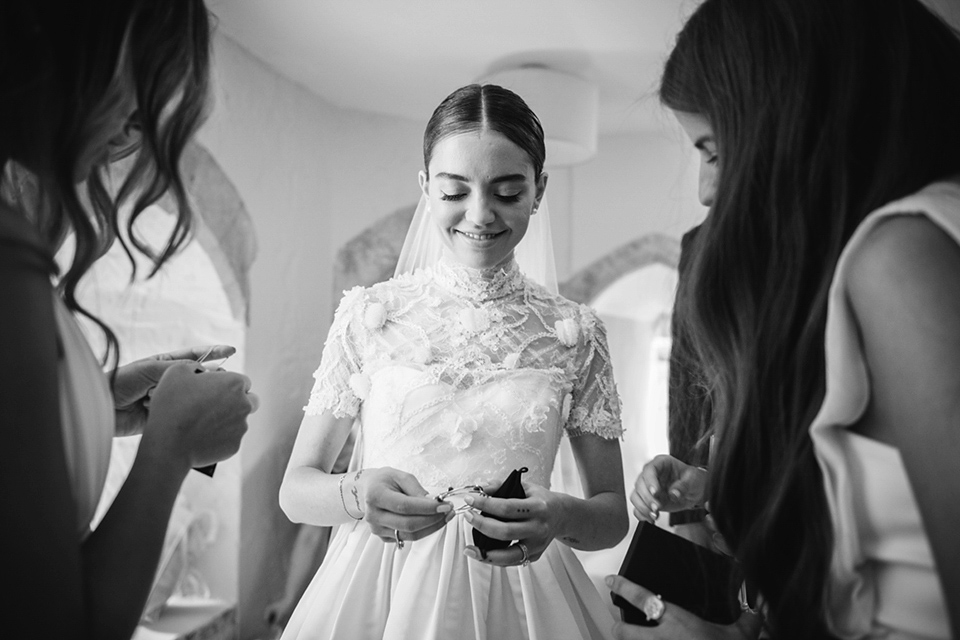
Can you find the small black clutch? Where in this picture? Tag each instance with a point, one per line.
(683, 573)
(511, 488)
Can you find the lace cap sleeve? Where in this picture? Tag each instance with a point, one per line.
(340, 364)
(595, 403)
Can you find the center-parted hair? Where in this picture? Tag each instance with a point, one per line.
(823, 111)
(486, 107)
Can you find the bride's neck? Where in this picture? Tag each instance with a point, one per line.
(483, 273)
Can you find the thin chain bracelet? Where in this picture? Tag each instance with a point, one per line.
(343, 501)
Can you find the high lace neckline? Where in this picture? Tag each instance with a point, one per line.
(479, 285)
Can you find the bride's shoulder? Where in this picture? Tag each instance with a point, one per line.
(404, 287)
(565, 306)
(554, 305)
(374, 304)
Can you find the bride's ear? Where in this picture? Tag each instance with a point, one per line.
(424, 183)
(541, 188)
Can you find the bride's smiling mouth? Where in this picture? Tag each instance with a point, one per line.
(480, 237)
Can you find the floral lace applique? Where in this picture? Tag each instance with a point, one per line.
(462, 374)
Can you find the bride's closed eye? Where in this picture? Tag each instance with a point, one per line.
(515, 197)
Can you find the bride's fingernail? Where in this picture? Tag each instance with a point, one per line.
(469, 500)
(470, 553)
(444, 507)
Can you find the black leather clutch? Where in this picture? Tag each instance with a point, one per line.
(683, 573)
(511, 488)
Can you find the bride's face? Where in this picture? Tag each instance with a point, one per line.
(481, 191)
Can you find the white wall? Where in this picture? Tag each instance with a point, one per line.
(638, 184)
(311, 175)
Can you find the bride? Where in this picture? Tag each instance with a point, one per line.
(462, 368)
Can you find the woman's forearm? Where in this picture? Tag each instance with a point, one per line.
(595, 523)
(310, 496)
(120, 557)
(309, 493)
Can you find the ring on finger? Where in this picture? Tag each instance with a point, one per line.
(525, 558)
(396, 536)
(653, 607)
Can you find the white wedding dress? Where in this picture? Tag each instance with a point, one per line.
(458, 376)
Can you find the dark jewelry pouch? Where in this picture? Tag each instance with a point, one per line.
(683, 573)
(511, 488)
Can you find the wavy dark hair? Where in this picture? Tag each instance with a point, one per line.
(476, 107)
(823, 110)
(60, 66)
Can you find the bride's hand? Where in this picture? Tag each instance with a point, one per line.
(396, 507)
(533, 522)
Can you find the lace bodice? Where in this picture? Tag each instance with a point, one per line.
(461, 375)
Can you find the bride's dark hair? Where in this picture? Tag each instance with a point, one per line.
(61, 63)
(823, 110)
(477, 107)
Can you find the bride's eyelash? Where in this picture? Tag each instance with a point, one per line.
(460, 196)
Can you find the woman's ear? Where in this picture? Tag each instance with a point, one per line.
(424, 184)
(541, 189)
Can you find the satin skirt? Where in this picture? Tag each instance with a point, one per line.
(369, 589)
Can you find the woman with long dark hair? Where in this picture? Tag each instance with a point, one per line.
(824, 302)
(82, 83)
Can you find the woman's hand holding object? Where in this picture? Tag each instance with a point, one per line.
(533, 522)
(674, 622)
(395, 505)
(197, 419)
(135, 382)
(667, 484)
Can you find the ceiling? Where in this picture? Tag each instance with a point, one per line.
(402, 57)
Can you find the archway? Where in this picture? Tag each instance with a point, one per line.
(200, 297)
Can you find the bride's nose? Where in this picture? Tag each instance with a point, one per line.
(480, 211)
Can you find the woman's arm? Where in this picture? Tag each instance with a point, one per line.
(904, 288)
(309, 494)
(196, 418)
(599, 521)
(388, 499)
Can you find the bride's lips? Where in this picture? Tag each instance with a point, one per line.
(480, 238)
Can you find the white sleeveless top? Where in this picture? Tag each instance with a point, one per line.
(87, 417)
(883, 580)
